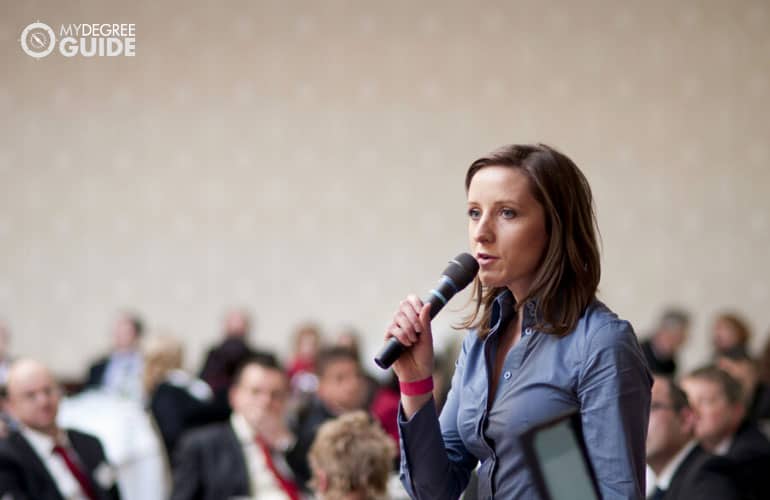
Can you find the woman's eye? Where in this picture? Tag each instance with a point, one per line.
(507, 213)
(474, 213)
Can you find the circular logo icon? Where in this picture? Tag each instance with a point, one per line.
(38, 40)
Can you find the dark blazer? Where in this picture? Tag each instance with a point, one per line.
(209, 464)
(307, 421)
(702, 476)
(176, 411)
(750, 455)
(96, 372)
(24, 476)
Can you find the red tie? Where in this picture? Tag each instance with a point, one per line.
(80, 476)
(286, 485)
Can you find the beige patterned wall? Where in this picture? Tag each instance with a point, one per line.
(306, 158)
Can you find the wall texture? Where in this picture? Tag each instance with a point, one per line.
(305, 159)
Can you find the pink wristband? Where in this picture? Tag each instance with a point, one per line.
(416, 388)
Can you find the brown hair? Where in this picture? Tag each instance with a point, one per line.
(355, 454)
(568, 276)
(730, 387)
(162, 354)
(737, 325)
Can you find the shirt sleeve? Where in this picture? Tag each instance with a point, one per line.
(434, 461)
(614, 391)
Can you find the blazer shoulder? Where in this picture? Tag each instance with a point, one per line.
(208, 435)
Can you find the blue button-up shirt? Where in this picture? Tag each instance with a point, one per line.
(598, 369)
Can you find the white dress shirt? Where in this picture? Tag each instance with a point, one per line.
(263, 483)
(43, 445)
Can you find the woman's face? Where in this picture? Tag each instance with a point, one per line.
(506, 228)
(725, 336)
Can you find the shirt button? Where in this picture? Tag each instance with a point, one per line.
(528, 331)
(507, 375)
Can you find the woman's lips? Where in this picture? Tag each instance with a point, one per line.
(484, 259)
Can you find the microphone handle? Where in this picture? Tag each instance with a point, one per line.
(393, 349)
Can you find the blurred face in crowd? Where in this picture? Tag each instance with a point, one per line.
(744, 371)
(341, 386)
(506, 228)
(716, 417)
(33, 396)
(669, 429)
(125, 337)
(260, 396)
(670, 339)
(236, 324)
(725, 335)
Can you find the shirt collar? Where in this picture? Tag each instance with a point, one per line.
(503, 309)
(724, 446)
(663, 481)
(43, 443)
(242, 428)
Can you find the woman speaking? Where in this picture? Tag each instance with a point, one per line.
(540, 343)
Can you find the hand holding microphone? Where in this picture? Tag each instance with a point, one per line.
(410, 334)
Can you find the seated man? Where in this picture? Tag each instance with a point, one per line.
(351, 459)
(41, 461)
(341, 389)
(246, 456)
(120, 372)
(723, 430)
(683, 470)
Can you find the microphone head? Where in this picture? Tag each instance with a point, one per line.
(461, 270)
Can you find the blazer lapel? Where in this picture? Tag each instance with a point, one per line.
(240, 477)
(37, 470)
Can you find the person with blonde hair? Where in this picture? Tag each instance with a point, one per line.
(177, 400)
(351, 459)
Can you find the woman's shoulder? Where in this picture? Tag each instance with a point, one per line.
(600, 326)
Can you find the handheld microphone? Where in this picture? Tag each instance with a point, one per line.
(460, 272)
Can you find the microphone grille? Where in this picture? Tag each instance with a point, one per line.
(462, 269)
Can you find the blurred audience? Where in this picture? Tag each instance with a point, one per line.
(250, 455)
(661, 348)
(730, 335)
(302, 363)
(683, 469)
(341, 389)
(384, 406)
(223, 359)
(722, 428)
(176, 400)
(120, 372)
(351, 459)
(41, 460)
(756, 394)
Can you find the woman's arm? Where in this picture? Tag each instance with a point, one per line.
(614, 392)
(434, 461)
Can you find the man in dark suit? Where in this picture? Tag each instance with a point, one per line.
(722, 428)
(683, 469)
(661, 348)
(38, 460)
(250, 455)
